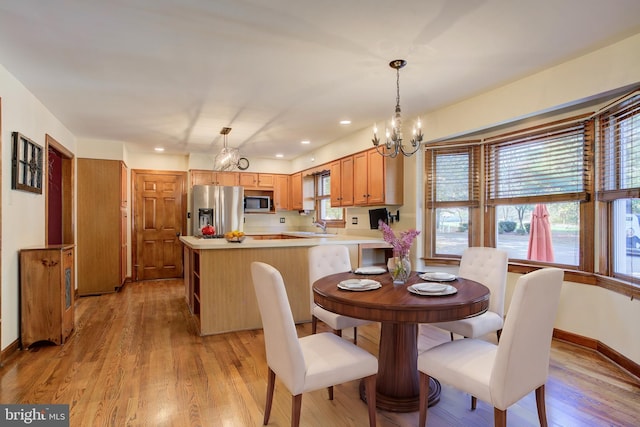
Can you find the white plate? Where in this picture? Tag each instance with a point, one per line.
(438, 277)
(359, 285)
(370, 270)
(448, 290)
(430, 287)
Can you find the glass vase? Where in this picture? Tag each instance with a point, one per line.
(400, 268)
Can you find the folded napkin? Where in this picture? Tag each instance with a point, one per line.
(430, 287)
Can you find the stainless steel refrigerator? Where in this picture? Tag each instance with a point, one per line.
(222, 207)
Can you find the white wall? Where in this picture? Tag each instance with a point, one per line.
(594, 312)
(100, 149)
(204, 161)
(23, 219)
(566, 84)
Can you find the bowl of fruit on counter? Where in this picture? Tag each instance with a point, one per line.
(234, 236)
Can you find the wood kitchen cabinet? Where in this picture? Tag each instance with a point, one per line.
(257, 180)
(102, 226)
(342, 182)
(206, 177)
(383, 184)
(46, 294)
(281, 193)
(296, 191)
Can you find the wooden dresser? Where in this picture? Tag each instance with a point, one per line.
(47, 289)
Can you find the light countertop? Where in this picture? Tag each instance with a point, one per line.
(306, 240)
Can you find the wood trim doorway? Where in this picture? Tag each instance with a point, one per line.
(58, 171)
(159, 210)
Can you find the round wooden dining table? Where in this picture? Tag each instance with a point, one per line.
(400, 312)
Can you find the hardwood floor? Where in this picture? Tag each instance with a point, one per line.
(135, 360)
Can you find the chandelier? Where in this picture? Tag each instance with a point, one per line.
(227, 159)
(393, 144)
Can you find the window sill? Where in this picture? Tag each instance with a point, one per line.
(614, 284)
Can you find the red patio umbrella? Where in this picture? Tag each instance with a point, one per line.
(540, 244)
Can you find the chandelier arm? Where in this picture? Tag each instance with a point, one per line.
(391, 154)
(410, 153)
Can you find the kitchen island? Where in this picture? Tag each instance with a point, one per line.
(218, 283)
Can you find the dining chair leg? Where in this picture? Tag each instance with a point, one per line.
(474, 402)
(542, 412)
(451, 333)
(499, 417)
(355, 335)
(314, 324)
(271, 382)
(296, 405)
(370, 391)
(330, 389)
(424, 399)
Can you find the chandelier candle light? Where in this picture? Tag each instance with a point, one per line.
(393, 144)
(400, 265)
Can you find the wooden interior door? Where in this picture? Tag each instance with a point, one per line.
(159, 212)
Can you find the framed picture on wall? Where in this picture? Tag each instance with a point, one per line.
(26, 164)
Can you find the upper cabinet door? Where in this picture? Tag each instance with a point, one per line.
(342, 182)
(336, 184)
(376, 178)
(248, 179)
(346, 181)
(201, 177)
(266, 180)
(296, 191)
(360, 178)
(281, 192)
(227, 178)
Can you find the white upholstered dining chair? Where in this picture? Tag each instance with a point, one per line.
(323, 261)
(489, 267)
(504, 373)
(308, 363)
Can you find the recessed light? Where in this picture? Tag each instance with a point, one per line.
(279, 155)
(159, 149)
(345, 122)
(305, 141)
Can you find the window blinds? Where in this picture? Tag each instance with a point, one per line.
(619, 150)
(547, 165)
(452, 177)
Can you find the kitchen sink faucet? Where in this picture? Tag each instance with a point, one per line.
(322, 225)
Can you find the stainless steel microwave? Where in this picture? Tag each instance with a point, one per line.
(257, 204)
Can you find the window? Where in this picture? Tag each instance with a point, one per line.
(26, 164)
(545, 232)
(324, 212)
(452, 199)
(619, 186)
(537, 182)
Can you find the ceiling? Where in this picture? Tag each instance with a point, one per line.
(172, 73)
